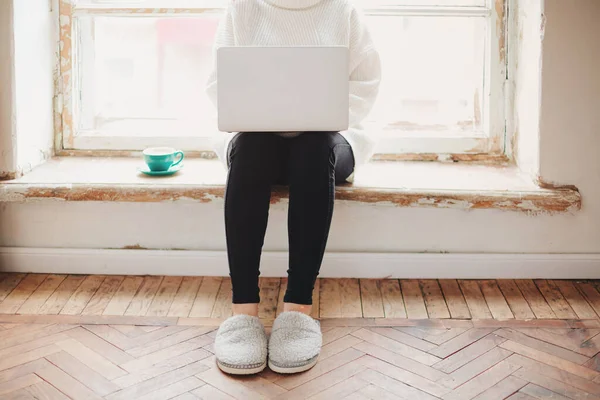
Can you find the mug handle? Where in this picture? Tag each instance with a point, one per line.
(178, 153)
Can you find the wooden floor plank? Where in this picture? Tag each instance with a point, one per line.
(540, 345)
(61, 295)
(502, 389)
(534, 298)
(67, 384)
(495, 300)
(21, 293)
(400, 361)
(229, 385)
(515, 299)
(316, 297)
(396, 347)
(393, 386)
(555, 299)
(454, 299)
(143, 298)
(591, 294)
(461, 341)
(37, 299)
(269, 295)
(413, 299)
(576, 300)
(405, 338)
(330, 305)
(222, 306)
(556, 373)
(534, 391)
(164, 296)
(103, 295)
(207, 392)
(323, 382)
(19, 383)
(341, 390)
(482, 382)
(393, 302)
(206, 296)
(123, 296)
(434, 299)
(8, 283)
(82, 295)
(549, 359)
(292, 381)
(475, 367)
(553, 385)
(45, 391)
(81, 372)
(573, 340)
(282, 290)
(186, 294)
(100, 345)
(350, 298)
(92, 359)
(370, 295)
(178, 388)
(404, 376)
(469, 353)
(475, 300)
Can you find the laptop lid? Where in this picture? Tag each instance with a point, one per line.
(283, 89)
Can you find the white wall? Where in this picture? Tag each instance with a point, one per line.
(570, 135)
(35, 39)
(27, 68)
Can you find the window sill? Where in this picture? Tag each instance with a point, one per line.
(402, 184)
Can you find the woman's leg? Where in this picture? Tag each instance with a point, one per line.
(255, 164)
(317, 161)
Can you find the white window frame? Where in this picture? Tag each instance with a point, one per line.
(493, 112)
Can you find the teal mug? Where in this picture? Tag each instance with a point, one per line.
(162, 158)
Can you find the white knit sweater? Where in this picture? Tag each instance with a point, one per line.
(308, 23)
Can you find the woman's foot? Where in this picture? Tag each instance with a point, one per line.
(295, 343)
(241, 345)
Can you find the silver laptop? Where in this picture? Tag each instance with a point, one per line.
(283, 89)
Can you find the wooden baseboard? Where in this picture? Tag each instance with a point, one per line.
(274, 264)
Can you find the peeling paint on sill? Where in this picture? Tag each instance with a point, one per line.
(7, 176)
(487, 159)
(543, 201)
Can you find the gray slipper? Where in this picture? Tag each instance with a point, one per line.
(295, 343)
(241, 345)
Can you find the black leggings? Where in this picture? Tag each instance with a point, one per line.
(310, 164)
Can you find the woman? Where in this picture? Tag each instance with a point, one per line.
(311, 163)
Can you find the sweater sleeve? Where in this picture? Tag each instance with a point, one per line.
(224, 37)
(365, 70)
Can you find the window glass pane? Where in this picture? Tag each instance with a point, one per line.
(146, 76)
(432, 73)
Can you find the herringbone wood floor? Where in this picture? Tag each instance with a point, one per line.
(138, 338)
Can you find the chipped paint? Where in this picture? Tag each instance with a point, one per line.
(134, 247)
(65, 89)
(489, 159)
(7, 176)
(533, 202)
(208, 155)
(500, 6)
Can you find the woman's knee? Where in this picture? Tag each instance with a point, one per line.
(254, 150)
(255, 160)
